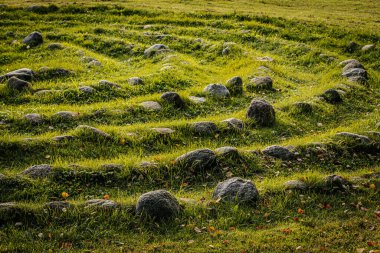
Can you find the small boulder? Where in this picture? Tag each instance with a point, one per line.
(163, 130)
(50, 73)
(17, 84)
(197, 100)
(279, 152)
(33, 118)
(33, 39)
(358, 79)
(58, 205)
(86, 89)
(355, 137)
(158, 205)
(101, 203)
(337, 182)
(155, 49)
(368, 47)
(151, 105)
(295, 185)
(173, 98)
(227, 151)
(93, 131)
(261, 112)
(197, 160)
(236, 190)
(262, 82)
(226, 51)
(332, 96)
(38, 171)
(66, 115)
(23, 74)
(63, 138)
(205, 127)
(355, 72)
(216, 90)
(233, 123)
(265, 58)
(109, 84)
(94, 63)
(235, 85)
(348, 61)
(352, 65)
(135, 81)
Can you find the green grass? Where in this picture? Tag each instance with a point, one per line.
(293, 33)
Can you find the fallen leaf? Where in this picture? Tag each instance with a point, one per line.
(106, 196)
(300, 211)
(65, 195)
(286, 231)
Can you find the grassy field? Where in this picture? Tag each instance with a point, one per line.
(105, 40)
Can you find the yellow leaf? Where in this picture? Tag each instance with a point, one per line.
(65, 195)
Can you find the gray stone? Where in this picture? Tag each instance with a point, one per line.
(173, 98)
(135, 81)
(236, 190)
(112, 167)
(235, 85)
(18, 84)
(86, 89)
(216, 90)
(197, 100)
(295, 185)
(146, 165)
(279, 152)
(151, 105)
(205, 127)
(57, 205)
(352, 65)
(23, 74)
(226, 51)
(227, 151)
(158, 205)
(303, 107)
(197, 160)
(33, 118)
(49, 73)
(66, 115)
(332, 96)
(345, 62)
(94, 63)
(352, 136)
(233, 123)
(55, 46)
(163, 130)
(358, 79)
(337, 182)
(355, 72)
(45, 92)
(263, 82)
(368, 47)
(93, 131)
(63, 138)
(109, 84)
(38, 171)
(87, 59)
(155, 49)
(265, 58)
(264, 69)
(33, 39)
(101, 203)
(261, 112)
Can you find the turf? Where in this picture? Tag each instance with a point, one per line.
(306, 39)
